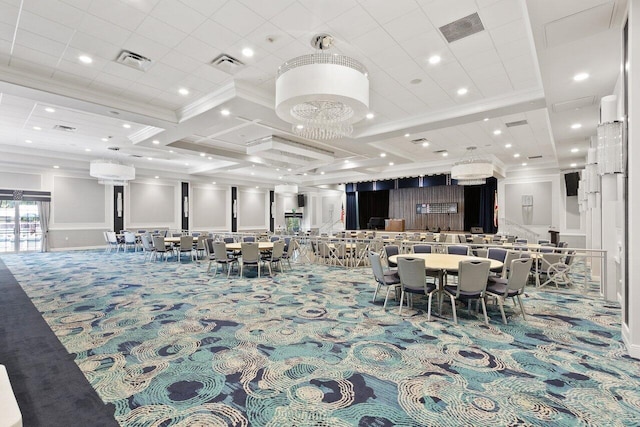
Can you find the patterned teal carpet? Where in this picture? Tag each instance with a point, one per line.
(169, 345)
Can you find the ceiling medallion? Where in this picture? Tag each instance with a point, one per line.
(322, 95)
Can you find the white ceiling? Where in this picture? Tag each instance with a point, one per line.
(516, 69)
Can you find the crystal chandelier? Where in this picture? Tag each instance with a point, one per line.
(472, 170)
(320, 94)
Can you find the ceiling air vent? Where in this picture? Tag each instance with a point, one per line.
(227, 63)
(419, 140)
(439, 151)
(137, 156)
(463, 27)
(65, 128)
(518, 123)
(535, 157)
(134, 60)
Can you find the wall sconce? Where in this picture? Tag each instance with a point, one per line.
(235, 208)
(186, 206)
(119, 205)
(610, 150)
(527, 201)
(273, 209)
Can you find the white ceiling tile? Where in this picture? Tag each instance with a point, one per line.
(328, 9)
(205, 7)
(55, 10)
(238, 18)
(145, 6)
(500, 13)
(391, 58)
(212, 74)
(198, 84)
(177, 60)
(104, 30)
(39, 43)
(80, 4)
(409, 26)
(160, 76)
(78, 69)
(45, 27)
(8, 14)
(214, 34)
(145, 47)
(492, 71)
(160, 32)
(117, 13)
(384, 11)
(448, 71)
(479, 60)
(404, 72)
(516, 48)
(92, 46)
(478, 42)
(494, 87)
(6, 32)
(178, 15)
(268, 38)
(294, 49)
(374, 42)
(504, 34)
(73, 79)
(267, 9)
(442, 12)
(352, 23)
(32, 60)
(197, 50)
(521, 67)
(297, 21)
(122, 71)
(111, 82)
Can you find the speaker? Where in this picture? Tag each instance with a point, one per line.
(301, 200)
(571, 182)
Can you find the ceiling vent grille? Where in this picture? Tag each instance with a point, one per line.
(137, 156)
(134, 60)
(419, 140)
(439, 151)
(535, 157)
(227, 63)
(65, 128)
(463, 27)
(518, 123)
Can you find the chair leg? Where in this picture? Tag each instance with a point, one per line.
(501, 305)
(401, 301)
(429, 307)
(376, 292)
(524, 316)
(484, 310)
(453, 308)
(386, 298)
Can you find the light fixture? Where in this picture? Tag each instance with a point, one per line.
(85, 59)
(507, 145)
(185, 206)
(225, 112)
(425, 144)
(497, 132)
(111, 172)
(581, 76)
(321, 172)
(104, 139)
(516, 155)
(370, 116)
(391, 163)
(524, 164)
(126, 126)
(325, 93)
(248, 52)
(87, 149)
(50, 110)
(119, 204)
(445, 154)
(156, 142)
(576, 126)
(202, 154)
(407, 135)
(383, 154)
(183, 91)
(472, 170)
(213, 182)
(56, 167)
(463, 91)
(156, 177)
(573, 165)
(28, 141)
(486, 119)
(37, 128)
(434, 59)
(575, 150)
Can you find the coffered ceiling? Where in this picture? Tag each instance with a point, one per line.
(167, 121)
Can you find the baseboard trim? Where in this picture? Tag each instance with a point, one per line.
(632, 349)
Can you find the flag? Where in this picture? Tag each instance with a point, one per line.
(495, 209)
(342, 213)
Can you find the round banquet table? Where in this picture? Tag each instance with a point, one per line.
(445, 262)
(262, 246)
(176, 240)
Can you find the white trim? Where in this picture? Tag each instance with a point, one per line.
(632, 349)
(78, 248)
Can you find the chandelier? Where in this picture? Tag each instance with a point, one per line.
(472, 170)
(322, 95)
(112, 172)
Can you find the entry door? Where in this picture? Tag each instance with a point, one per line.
(19, 226)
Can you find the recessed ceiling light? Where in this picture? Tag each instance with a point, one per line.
(434, 59)
(248, 52)
(507, 145)
(390, 163)
(445, 154)
(156, 142)
(186, 164)
(575, 150)
(149, 158)
(346, 161)
(50, 110)
(383, 154)
(407, 135)
(126, 126)
(305, 174)
(213, 182)
(463, 91)
(37, 128)
(87, 149)
(576, 126)
(183, 91)
(202, 154)
(370, 116)
(299, 127)
(171, 151)
(28, 141)
(104, 139)
(156, 177)
(486, 119)
(516, 155)
(56, 167)
(253, 173)
(85, 59)
(257, 186)
(425, 144)
(581, 76)
(225, 112)
(277, 169)
(321, 172)
(524, 164)
(573, 165)
(497, 132)
(289, 169)
(210, 158)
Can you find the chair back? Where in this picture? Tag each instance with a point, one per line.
(220, 250)
(458, 250)
(569, 259)
(391, 250)
(376, 266)
(196, 234)
(462, 238)
(200, 245)
(112, 238)
(208, 247)
(158, 244)
(477, 239)
(186, 242)
(278, 250)
(498, 254)
(274, 238)
(290, 245)
(520, 269)
(443, 237)
(412, 274)
(422, 249)
(146, 243)
(249, 239)
(250, 252)
(429, 237)
(511, 255)
(228, 239)
(472, 276)
(129, 237)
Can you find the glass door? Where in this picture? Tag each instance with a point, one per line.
(19, 226)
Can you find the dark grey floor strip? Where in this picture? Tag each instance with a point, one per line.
(49, 387)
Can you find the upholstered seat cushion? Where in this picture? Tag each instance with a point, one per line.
(463, 294)
(391, 278)
(499, 287)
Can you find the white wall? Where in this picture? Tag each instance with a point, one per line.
(253, 209)
(210, 207)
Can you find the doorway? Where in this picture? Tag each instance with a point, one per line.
(19, 226)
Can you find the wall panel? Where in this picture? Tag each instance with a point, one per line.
(211, 207)
(252, 210)
(151, 204)
(78, 201)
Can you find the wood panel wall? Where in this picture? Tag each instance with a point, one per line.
(402, 204)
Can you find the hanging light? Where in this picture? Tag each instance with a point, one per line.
(112, 172)
(320, 94)
(472, 170)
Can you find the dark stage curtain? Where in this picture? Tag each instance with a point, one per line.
(372, 203)
(351, 212)
(478, 206)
